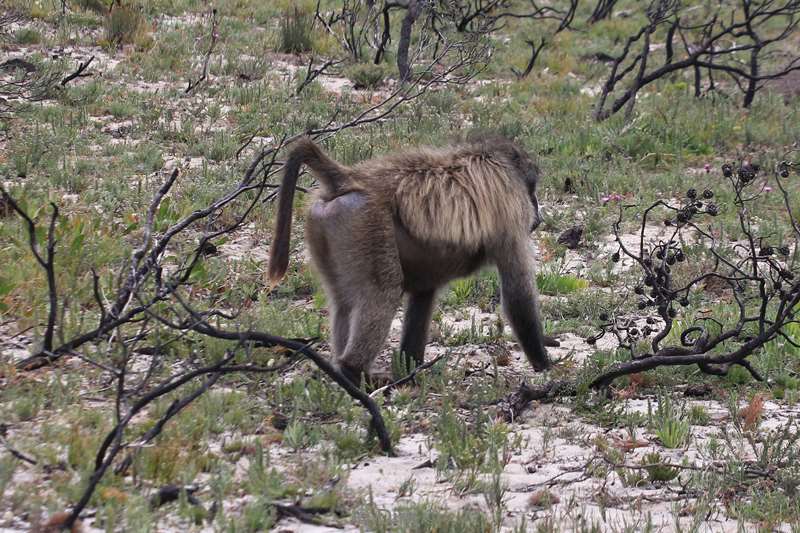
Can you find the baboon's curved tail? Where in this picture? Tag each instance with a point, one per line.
(332, 176)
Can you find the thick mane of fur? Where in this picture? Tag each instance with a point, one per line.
(465, 195)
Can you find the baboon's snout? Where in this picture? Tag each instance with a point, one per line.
(536, 221)
(536, 217)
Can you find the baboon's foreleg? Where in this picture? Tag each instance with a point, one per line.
(521, 302)
(415, 325)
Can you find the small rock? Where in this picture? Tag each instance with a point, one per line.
(543, 498)
(17, 63)
(208, 248)
(279, 421)
(698, 390)
(572, 237)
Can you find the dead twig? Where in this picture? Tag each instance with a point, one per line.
(79, 72)
(516, 402)
(409, 378)
(213, 36)
(18, 454)
(313, 73)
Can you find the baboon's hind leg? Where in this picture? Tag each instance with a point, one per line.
(415, 325)
(372, 280)
(354, 248)
(369, 327)
(340, 326)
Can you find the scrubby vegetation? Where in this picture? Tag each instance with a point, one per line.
(150, 380)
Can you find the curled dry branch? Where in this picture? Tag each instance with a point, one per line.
(761, 278)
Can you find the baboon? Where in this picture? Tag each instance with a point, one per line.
(410, 223)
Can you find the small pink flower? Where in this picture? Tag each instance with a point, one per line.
(767, 189)
(707, 168)
(613, 197)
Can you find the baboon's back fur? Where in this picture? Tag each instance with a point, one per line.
(460, 195)
(468, 195)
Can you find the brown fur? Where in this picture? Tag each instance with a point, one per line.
(409, 223)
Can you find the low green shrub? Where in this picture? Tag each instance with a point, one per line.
(366, 75)
(296, 28)
(124, 25)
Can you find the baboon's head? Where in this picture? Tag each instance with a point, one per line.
(524, 166)
(528, 172)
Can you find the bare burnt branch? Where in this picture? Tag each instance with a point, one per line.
(18, 454)
(199, 324)
(171, 493)
(732, 38)
(355, 24)
(408, 378)
(23, 82)
(536, 49)
(175, 407)
(386, 35)
(486, 16)
(602, 10)
(516, 402)
(79, 72)
(541, 12)
(303, 514)
(468, 12)
(312, 74)
(145, 263)
(413, 11)
(47, 262)
(113, 443)
(426, 25)
(764, 286)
